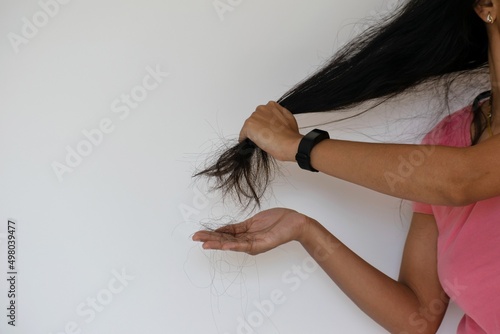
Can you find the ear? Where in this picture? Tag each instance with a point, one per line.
(485, 7)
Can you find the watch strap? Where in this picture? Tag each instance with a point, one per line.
(306, 145)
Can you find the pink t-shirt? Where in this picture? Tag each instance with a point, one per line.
(468, 250)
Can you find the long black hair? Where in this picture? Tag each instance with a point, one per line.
(433, 41)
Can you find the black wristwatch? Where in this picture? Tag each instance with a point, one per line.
(306, 145)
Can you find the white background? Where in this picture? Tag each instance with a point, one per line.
(131, 206)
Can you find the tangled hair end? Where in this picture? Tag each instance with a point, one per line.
(242, 172)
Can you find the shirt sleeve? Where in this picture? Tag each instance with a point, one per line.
(422, 208)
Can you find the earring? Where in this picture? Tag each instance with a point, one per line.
(489, 18)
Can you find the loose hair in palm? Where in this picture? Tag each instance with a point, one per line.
(421, 41)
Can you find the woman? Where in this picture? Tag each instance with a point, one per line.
(453, 245)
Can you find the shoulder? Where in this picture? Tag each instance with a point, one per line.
(453, 130)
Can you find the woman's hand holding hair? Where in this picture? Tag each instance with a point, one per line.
(258, 234)
(273, 129)
(245, 170)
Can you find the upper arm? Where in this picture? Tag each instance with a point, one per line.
(477, 178)
(419, 272)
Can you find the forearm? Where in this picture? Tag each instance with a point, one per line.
(436, 175)
(391, 304)
(432, 174)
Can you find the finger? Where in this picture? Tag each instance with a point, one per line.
(216, 245)
(244, 133)
(281, 116)
(285, 112)
(225, 246)
(238, 246)
(200, 235)
(275, 108)
(244, 129)
(234, 229)
(205, 236)
(222, 241)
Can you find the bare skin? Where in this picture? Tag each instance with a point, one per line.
(406, 301)
(442, 178)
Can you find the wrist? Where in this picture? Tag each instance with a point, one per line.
(306, 146)
(306, 229)
(293, 147)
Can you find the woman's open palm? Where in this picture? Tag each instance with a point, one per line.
(258, 234)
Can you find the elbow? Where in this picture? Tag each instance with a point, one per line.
(461, 188)
(459, 183)
(421, 322)
(460, 194)
(419, 329)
